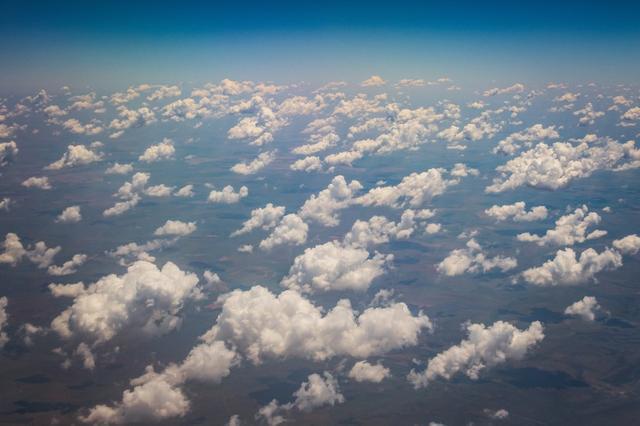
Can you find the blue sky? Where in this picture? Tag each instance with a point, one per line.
(47, 44)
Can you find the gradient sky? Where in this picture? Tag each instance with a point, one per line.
(46, 44)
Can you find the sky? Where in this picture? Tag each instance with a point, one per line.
(45, 42)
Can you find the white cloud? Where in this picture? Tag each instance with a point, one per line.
(3, 321)
(186, 192)
(8, 151)
(70, 215)
(14, 251)
(161, 151)
(362, 371)
(307, 164)
(512, 143)
(164, 92)
(500, 414)
(584, 308)
(628, 245)
(570, 229)
(228, 195)
(374, 80)
(291, 230)
(323, 208)
(5, 203)
(37, 182)
(587, 114)
(473, 259)
(75, 126)
(516, 88)
(263, 160)
(131, 118)
(76, 155)
(176, 227)
(462, 170)
(119, 169)
(69, 267)
(485, 347)
(567, 269)
(517, 212)
(266, 217)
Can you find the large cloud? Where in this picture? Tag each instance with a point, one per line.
(584, 308)
(76, 155)
(485, 347)
(323, 208)
(570, 229)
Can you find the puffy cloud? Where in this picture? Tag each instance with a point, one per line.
(632, 114)
(485, 347)
(5, 203)
(584, 308)
(535, 133)
(122, 206)
(266, 218)
(587, 114)
(628, 245)
(67, 290)
(137, 251)
(14, 251)
(500, 414)
(307, 164)
(131, 118)
(164, 92)
(76, 155)
(119, 169)
(75, 126)
(410, 82)
(263, 160)
(379, 230)
(8, 151)
(567, 97)
(323, 208)
(88, 359)
(263, 325)
(415, 190)
(567, 269)
(144, 298)
(319, 143)
(70, 215)
(570, 229)
(334, 266)
(161, 151)
(291, 230)
(37, 182)
(362, 371)
(516, 88)
(186, 192)
(462, 170)
(473, 259)
(554, 166)
(228, 195)
(69, 267)
(161, 190)
(517, 212)
(176, 227)
(374, 80)
(3, 321)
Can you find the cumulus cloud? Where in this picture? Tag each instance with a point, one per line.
(570, 229)
(185, 192)
(131, 118)
(228, 195)
(584, 308)
(145, 298)
(362, 371)
(13, 252)
(323, 207)
(4, 317)
(374, 80)
(485, 347)
(76, 155)
(552, 167)
(512, 143)
(5, 203)
(628, 245)
(176, 227)
(69, 267)
(307, 164)
(263, 160)
(119, 169)
(473, 259)
(568, 269)
(587, 114)
(8, 152)
(266, 218)
(291, 230)
(37, 182)
(75, 126)
(516, 88)
(517, 212)
(161, 151)
(70, 215)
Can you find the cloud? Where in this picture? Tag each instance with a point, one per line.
(119, 169)
(76, 155)
(323, 207)
(69, 267)
(512, 143)
(516, 88)
(131, 118)
(161, 151)
(3, 321)
(5, 203)
(567, 269)
(266, 217)
(70, 215)
(587, 115)
(374, 80)
(517, 212)
(500, 414)
(362, 371)
(307, 164)
(8, 152)
(570, 229)
(228, 195)
(628, 245)
(144, 299)
(263, 160)
(75, 126)
(186, 192)
(14, 251)
(485, 347)
(291, 230)
(37, 182)
(552, 167)
(584, 308)
(164, 92)
(176, 227)
(473, 259)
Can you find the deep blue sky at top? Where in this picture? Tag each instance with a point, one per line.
(114, 43)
